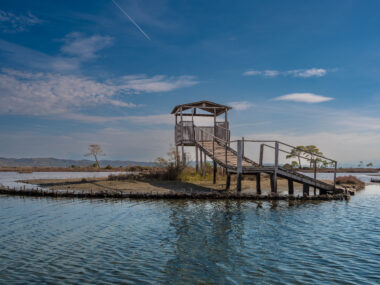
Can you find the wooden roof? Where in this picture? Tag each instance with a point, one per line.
(207, 106)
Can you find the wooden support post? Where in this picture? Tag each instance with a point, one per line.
(239, 165)
(335, 174)
(214, 172)
(183, 147)
(258, 183)
(315, 177)
(306, 190)
(183, 156)
(276, 150)
(242, 146)
(196, 160)
(290, 187)
(176, 155)
(228, 180)
(201, 161)
(204, 165)
(261, 154)
(271, 183)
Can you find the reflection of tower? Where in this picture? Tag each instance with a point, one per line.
(208, 241)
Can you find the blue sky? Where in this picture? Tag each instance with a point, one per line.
(80, 72)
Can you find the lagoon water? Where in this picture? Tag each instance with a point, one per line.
(71, 241)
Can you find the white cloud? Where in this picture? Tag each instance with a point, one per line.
(303, 97)
(305, 73)
(313, 72)
(240, 105)
(163, 119)
(11, 23)
(55, 94)
(79, 45)
(158, 83)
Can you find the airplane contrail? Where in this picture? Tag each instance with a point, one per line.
(130, 18)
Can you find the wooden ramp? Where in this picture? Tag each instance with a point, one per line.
(228, 158)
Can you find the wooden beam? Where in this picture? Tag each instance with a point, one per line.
(196, 115)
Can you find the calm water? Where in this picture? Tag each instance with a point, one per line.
(71, 241)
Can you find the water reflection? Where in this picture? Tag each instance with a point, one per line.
(208, 241)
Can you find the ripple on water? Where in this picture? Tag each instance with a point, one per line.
(67, 241)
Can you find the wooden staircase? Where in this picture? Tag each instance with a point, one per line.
(227, 157)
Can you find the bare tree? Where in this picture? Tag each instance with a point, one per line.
(95, 150)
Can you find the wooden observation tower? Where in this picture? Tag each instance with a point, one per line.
(202, 125)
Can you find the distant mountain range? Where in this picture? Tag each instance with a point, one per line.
(55, 162)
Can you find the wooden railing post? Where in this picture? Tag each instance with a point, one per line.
(243, 146)
(201, 160)
(276, 150)
(239, 165)
(196, 160)
(214, 172)
(225, 153)
(213, 147)
(315, 177)
(261, 154)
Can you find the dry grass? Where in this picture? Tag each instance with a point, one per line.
(350, 179)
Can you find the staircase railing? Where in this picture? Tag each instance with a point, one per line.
(222, 142)
(312, 156)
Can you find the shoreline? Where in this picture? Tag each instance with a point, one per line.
(167, 189)
(157, 195)
(31, 169)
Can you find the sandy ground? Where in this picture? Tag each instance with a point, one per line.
(152, 186)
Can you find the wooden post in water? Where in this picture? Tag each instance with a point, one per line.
(335, 174)
(239, 165)
(258, 183)
(290, 186)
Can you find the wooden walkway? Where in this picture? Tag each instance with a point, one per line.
(228, 158)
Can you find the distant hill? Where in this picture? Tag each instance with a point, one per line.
(55, 162)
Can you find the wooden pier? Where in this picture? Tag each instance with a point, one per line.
(213, 141)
